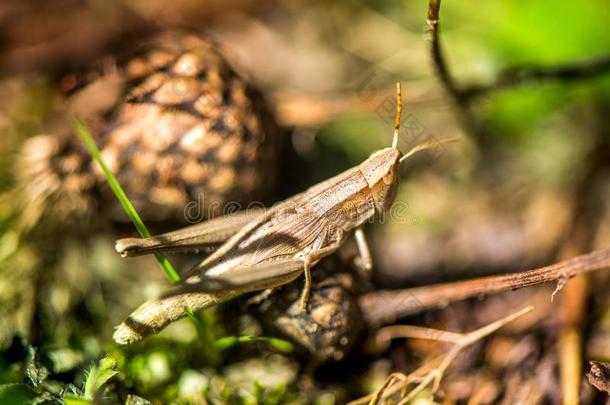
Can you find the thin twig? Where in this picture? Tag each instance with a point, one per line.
(524, 75)
(380, 307)
(467, 116)
(438, 57)
(390, 380)
(385, 335)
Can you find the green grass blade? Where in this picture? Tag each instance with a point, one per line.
(89, 142)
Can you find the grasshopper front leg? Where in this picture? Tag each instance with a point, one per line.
(365, 261)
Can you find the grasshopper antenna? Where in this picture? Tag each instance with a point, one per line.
(427, 145)
(417, 148)
(397, 118)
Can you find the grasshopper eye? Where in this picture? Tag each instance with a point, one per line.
(388, 178)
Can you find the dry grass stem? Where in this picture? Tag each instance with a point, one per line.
(432, 371)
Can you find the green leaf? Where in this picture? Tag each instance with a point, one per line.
(283, 346)
(17, 394)
(74, 400)
(230, 341)
(89, 142)
(99, 375)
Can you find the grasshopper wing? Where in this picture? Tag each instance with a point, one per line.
(206, 234)
(275, 260)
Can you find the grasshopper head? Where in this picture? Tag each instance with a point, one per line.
(382, 169)
(382, 174)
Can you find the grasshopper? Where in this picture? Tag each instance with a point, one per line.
(263, 249)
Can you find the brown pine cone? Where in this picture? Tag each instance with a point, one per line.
(333, 322)
(184, 135)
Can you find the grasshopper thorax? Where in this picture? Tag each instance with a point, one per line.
(382, 174)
